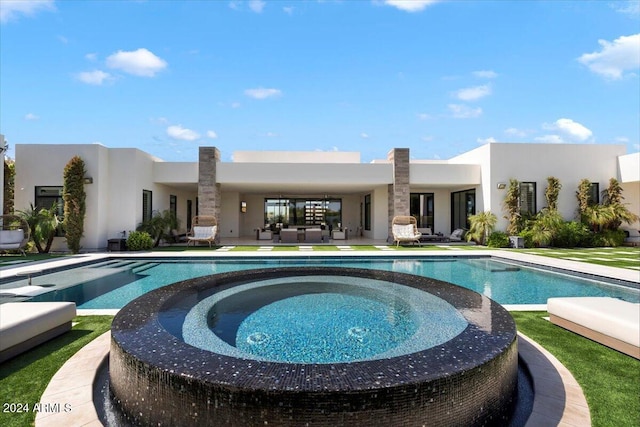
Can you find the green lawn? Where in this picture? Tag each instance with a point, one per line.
(23, 379)
(624, 257)
(610, 380)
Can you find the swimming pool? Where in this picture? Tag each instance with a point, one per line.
(112, 283)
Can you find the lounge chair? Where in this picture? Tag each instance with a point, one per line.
(14, 233)
(289, 235)
(404, 229)
(203, 229)
(457, 235)
(313, 235)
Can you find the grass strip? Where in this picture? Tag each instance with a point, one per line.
(24, 378)
(610, 380)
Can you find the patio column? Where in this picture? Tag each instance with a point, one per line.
(399, 191)
(208, 187)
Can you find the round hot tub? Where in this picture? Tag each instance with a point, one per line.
(314, 346)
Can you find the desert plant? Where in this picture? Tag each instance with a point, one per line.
(159, 225)
(545, 227)
(618, 213)
(74, 198)
(139, 241)
(608, 238)
(511, 205)
(583, 194)
(43, 224)
(481, 225)
(551, 192)
(498, 239)
(9, 186)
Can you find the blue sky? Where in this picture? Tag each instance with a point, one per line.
(439, 77)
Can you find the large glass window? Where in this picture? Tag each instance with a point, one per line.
(528, 199)
(463, 205)
(421, 208)
(303, 212)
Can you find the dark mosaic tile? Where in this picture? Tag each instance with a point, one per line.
(469, 380)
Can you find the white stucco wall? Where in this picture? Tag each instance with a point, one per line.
(296, 157)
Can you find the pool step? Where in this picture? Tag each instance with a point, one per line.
(144, 267)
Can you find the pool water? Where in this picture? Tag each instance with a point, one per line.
(112, 284)
(316, 319)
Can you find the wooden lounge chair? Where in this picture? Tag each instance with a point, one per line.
(404, 229)
(203, 229)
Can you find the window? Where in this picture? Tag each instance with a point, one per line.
(303, 212)
(528, 199)
(146, 205)
(46, 197)
(189, 213)
(594, 194)
(463, 205)
(421, 208)
(173, 205)
(367, 212)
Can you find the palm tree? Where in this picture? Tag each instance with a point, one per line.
(481, 226)
(43, 224)
(511, 205)
(552, 192)
(546, 226)
(160, 225)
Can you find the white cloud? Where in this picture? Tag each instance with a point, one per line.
(288, 10)
(364, 135)
(473, 93)
(424, 116)
(257, 5)
(427, 138)
(139, 62)
(31, 117)
(95, 77)
(622, 139)
(234, 4)
(615, 58)
(483, 141)
(573, 130)
(11, 9)
(485, 74)
(212, 134)
(461, 111)
(410, 5)
(629, 7)
(184, 134)
(91, 56)
(262, 93)
(549, 139)
(516, 132)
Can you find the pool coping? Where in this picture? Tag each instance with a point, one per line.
(558, 398)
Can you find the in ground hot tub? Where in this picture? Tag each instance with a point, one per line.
(314, 346)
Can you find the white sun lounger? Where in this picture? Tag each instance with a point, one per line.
(24, 325)
(609, 321)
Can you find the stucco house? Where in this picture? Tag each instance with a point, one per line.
(335, 189)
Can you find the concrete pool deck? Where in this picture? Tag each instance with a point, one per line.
(559, 399)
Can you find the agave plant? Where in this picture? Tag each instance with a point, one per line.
(43, 224)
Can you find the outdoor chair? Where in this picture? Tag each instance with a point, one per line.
(14, 233)
(457, 235)
(203, 229)
(289, 235)
(404, 229)
(313, 235)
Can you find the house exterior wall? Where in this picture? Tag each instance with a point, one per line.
(114, 199)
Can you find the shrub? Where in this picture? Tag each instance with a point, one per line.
(74, 198)
(571, 234)
(528, 235)
(139, 241)
(498, 239)
(608, 238)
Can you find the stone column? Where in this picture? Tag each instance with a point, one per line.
(208, 187)
(399, 191)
